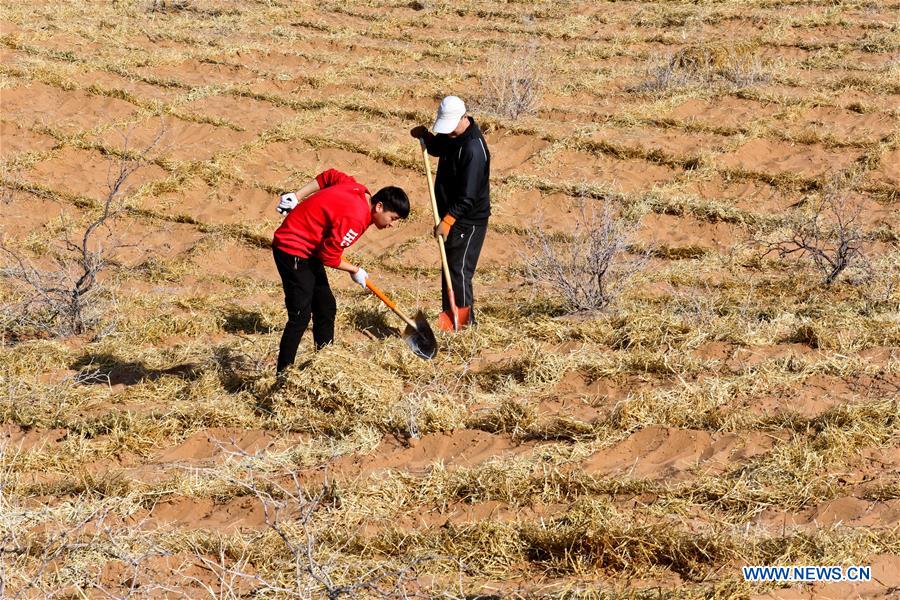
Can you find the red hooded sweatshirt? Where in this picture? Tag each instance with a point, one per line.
(327, 221)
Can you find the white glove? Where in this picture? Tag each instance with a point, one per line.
(360, 277)
(287, 204)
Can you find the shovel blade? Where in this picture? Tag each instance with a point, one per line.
(420, 338)
(445, 319)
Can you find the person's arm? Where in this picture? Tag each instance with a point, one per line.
(332, 252)
(289, 201)
(435, 144)
(308, 190)
(357, 274)
(348, 267)
(332, 177)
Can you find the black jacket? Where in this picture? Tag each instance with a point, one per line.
(462, 184)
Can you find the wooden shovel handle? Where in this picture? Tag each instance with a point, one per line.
(389, 303)
(437, 220)
(434, 208)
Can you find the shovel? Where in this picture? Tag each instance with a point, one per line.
(457, 317)
(418, 334)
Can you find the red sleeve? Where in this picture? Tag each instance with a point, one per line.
(331, 252)
(332, 177)
(343, 234)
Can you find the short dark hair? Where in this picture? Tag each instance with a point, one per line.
(393, 199)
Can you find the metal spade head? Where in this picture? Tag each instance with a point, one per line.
(421, 338)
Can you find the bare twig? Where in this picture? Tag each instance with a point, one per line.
(62, 301)
(588, 267)
(512, 84)
(828, 234)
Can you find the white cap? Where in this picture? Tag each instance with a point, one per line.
(449, 113)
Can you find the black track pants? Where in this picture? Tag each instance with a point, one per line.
(463, 246)
(306, 293)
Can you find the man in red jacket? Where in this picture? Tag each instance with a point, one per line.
(327, 215)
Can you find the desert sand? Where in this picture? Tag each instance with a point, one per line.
(726, 408)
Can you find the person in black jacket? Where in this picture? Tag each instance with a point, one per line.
(462, 190)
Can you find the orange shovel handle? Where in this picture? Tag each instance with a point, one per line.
(389, 303)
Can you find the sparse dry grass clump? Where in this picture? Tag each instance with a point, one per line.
(878, 42)
(424, 411)
(717, 65)
(512, 82)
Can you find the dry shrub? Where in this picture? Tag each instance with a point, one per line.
(511, 86)
(335, 392)
(735, 65)
(68, 298)
(299, 517)
(589, 268)
(827, 232)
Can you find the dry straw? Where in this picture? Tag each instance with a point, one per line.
(706, 65)
(335, 392)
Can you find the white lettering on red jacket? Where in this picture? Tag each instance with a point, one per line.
(349, 238)
(328, 221)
